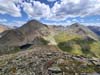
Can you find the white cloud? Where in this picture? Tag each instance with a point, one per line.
(91, 24)
(51, 0)
(75, 8)
(98, 19)
(82, 20)
(69, 22)
(28, 9)
(3, 20)
(60, 23)
(8, 7)
(18, 23)
(60, 11)
(74, 20)
(14, 23)
(38, 10)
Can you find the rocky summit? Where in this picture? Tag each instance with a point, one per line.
(39, 49)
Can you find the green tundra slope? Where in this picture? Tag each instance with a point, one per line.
(78, 40)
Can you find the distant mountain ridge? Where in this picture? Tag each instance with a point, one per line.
(3, 28)
(83, 31)
(76, 38)
(95, 29)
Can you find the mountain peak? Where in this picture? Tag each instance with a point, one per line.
(76, 25)
(33, 21)
(82, 30)
(33, 24)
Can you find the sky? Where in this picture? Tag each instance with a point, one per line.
(51, 12)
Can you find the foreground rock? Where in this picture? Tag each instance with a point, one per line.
(45, 60)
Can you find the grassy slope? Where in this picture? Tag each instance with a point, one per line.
(75, 45)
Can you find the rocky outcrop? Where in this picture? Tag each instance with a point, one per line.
(45, 60)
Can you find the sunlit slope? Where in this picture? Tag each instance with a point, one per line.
(78, 39)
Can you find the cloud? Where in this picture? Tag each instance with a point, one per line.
(60, 23)
(98, 19)
(82, 20)
(9, 7)
(75, 8)
(75, 20)
(51, 0)
(60, 11)
(3, 20)
(91, 24)
(37, 10)
(18, 23)
(28, 9)
(14, 23)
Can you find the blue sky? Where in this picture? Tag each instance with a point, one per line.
(52, 12)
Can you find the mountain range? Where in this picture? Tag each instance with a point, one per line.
(95, 29)
(76, 38)
(39, 49)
